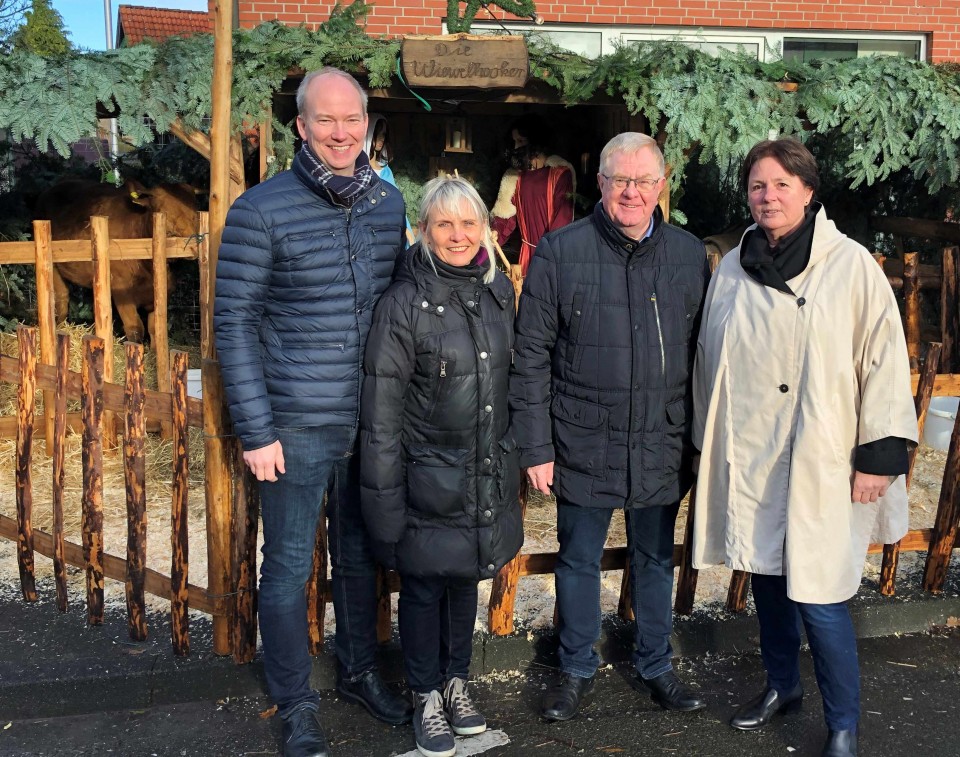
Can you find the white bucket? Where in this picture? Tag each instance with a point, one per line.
(194, 384)
(940, 419)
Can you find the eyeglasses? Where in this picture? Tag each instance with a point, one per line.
(622, 182)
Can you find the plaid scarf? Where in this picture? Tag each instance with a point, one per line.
(343, 190)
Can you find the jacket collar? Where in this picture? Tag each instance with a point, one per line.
(621, 241)
(438, 290)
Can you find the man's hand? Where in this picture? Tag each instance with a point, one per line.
(868, 488)
(541, 477)
(266, 462)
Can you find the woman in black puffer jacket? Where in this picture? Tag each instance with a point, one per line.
(440, 473)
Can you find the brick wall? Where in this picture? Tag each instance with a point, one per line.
(940, 19)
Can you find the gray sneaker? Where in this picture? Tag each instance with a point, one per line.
(430, 728)
(461, 712)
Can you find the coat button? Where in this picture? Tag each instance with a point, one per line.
(373, 201)
(353, 257)
(439, 308)
(491, 566)
(473, 279)
(470, 303)
(801, 302)
(424, 304)
(383, 194)
(487, 514)
(488, 409)
(359, 311)
(483, 355)
(784, 388)
(487, 461)
(576, 312)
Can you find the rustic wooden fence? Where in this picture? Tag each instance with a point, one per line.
(231, 495)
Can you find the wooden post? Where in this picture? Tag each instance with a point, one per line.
(91, 409)
(135, 474)
(911, 300)
(317, 588)
(46, 319)
(266, 142)
(216, 477)
(624, 606)
(161, 344)
(246, 514)
(103, 312)
(687, 576)
(503, 592)
(944, 535)
(384, 610)
(737, 593)
(179, 541)
(950, 310)
(891, 552)
(59, 413)
(26, 397)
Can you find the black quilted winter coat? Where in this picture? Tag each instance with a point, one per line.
(606, 336)
(439, 472)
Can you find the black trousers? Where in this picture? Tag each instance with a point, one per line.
(436, 616)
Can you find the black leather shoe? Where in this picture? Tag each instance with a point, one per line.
(302, 734)
(562, 700)
(672, 694)
(758, 711)
(370, 691)
(841, 744)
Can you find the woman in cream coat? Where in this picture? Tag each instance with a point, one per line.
(805, 419)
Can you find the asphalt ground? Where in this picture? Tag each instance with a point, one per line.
(70, 689)
(910, 707)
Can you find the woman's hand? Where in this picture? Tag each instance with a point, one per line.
(868, 488)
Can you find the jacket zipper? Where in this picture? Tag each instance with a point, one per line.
(656, 312)
(443, 369)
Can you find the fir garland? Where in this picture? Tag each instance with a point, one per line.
(901, 113)
(456, 23)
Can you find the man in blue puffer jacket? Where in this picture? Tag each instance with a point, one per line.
(304, 258)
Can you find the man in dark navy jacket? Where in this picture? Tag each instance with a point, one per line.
(600, 397)
(304, 258)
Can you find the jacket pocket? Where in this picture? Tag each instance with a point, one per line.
(508, 472)
(580, 435)
(675, 435)
(436, 480)
(574, 351)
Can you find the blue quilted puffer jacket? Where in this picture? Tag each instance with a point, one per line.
(297, 280)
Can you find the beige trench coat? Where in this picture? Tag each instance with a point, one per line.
(785, 388)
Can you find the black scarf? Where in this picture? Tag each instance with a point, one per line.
(774, 266)
(343, 190)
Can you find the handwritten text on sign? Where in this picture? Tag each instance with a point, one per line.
(461, 60)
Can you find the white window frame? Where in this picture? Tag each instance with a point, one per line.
(769, 41)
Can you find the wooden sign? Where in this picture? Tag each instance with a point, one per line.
(465, 60)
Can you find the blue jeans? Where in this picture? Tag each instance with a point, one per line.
(436, 616)
(833, 645)
(318, 461)
(582, 532)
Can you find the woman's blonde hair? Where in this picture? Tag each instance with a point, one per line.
(447, 194)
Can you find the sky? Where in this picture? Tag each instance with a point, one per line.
(84, 19)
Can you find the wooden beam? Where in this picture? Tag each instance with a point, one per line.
(78, 250)
(917, 227)
(200, 142)
(116, 568)
(157, 407)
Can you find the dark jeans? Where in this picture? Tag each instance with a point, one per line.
(436, 617)
(318, 461)
(833, 646)
(582, 532)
